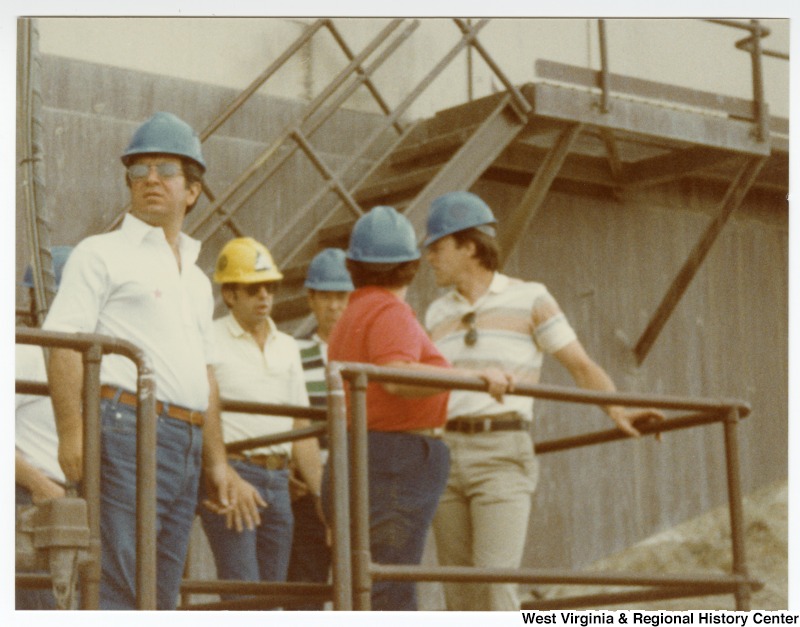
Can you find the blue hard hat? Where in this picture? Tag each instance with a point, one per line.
(328, 273)
(383, 236)
(165, 133)
(59, 254)
(457, 211)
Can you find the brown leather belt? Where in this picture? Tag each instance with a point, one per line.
(191, 416)
(432, 432)
(508, 421)
(269, 461)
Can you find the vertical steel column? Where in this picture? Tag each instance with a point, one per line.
(362, 583)
(339, 491)
(90, 588)
(762, 127)
(604, 83)
(731, 426)
(146, 570)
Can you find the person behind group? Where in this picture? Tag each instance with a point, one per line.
(257, 363)
(328, 286)
(37, 475)
(492, 319)
(141, 284)
(407, 460)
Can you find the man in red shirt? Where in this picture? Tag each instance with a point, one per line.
(408, 463)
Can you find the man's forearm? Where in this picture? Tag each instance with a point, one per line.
(213, 443)
(306, 456)
(65, 376)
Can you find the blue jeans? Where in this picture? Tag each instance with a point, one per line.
(263, 553)
(407, 473)
(311, 555)
(178, 453)
(30, 598)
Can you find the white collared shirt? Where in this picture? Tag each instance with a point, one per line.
(127, 284)
(34, 425)
(246, 373)
(507, 337)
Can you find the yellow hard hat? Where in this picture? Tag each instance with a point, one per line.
(244, 260)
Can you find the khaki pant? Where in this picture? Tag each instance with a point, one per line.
(482, 518)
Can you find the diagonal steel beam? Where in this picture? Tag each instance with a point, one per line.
(673, 165)
(537, 191)
(406, 103)
(493, 136)
(733, 198)
(217, 213)
(240, 100)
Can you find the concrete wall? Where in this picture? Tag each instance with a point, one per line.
(231, 52)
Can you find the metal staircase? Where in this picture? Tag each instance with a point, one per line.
(573, 129)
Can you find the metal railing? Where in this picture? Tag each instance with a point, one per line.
(261, 594)
(655, 585)
(93, 347)
(352, 569)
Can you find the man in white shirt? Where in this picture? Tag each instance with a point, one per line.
(257, 363)
(490, 319)
(141, 284)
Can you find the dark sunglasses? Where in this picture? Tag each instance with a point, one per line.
(471, 336)
(252, 289)
(165, 170)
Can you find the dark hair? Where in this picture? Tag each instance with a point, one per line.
(487, 252)
(192, 173)
(390, 275)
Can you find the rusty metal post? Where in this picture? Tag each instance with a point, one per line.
(146, 570)
(731, 426)
(90, 586)
(359, 460)
(604, 79)
(339, 492)
(762, 125)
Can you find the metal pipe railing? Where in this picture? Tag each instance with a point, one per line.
(93, 346)
(272, 594)
(341, 568)
(268, 594)
(706, 411)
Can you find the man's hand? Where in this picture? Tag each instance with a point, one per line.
(297, 487)
(627, 420)
(70, 454)
(47, 490)
(220, 488)
(500, 382)
(244, 500)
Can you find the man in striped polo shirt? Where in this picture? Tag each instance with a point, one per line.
(490, 319)
(329, 286)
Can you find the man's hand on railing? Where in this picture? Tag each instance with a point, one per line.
(500, 382)
(628, 420)
(245, 501)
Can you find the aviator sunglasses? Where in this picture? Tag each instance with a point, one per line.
(165, 170)
(471, 336)
(252, 289)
